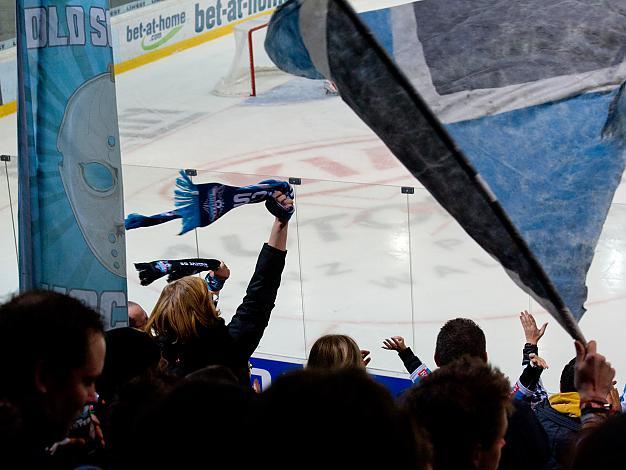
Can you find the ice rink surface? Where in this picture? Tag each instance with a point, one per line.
(364, 259)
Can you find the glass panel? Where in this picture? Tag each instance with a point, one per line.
(8, 209)
(355, 265)
(149, 191)
(237, 238)
(453, 277)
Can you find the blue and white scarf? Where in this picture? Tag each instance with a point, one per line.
(202, 204)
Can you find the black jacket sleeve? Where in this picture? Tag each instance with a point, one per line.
(253, 315)
(527, 351)
(410, 360)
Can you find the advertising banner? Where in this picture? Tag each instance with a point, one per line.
(71, 221)
(166, 23)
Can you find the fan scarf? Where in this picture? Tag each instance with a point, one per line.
(199, 205)
(176, 269)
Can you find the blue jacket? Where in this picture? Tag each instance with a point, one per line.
(561, 430)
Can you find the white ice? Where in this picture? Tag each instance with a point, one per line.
(364, 259)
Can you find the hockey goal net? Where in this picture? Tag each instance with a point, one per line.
(251, 70)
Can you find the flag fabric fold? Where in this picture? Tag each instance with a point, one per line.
(493, 111)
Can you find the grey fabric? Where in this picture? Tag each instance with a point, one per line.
(463, 40)
(493, 97)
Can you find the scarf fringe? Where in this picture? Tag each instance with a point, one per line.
(187, 202)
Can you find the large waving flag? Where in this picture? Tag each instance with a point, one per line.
(510, 114)
(70, 181)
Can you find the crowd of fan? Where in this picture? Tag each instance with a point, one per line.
(174, 391)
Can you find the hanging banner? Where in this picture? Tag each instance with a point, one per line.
(71, 217)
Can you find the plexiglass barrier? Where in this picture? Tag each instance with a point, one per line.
(369, 261)
(8, 230)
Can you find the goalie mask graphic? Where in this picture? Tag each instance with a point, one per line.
(91, 169)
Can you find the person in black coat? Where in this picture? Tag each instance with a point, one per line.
(187, 325)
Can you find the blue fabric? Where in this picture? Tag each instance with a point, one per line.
(379, 24)
(288, 49)
(137, 220)
(70, 194)
(553, 163)
(199, 205)
(214, 283)
(555, 173)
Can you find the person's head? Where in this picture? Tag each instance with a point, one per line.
(340, 412)
(130, 353)
(137, 316)
(51, 353)
(183, 306)
(567, 377)
(603, 447)
(463, 406)
(335, 351)
(213, 374)
(200, 418)
(457, 338)
(121, 418)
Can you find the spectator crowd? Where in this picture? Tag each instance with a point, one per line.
(173, 390)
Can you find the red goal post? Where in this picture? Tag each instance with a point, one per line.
(250, 61)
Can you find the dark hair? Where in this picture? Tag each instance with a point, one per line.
(213, 374)
(460, 405)
(567, 377)
(121, 419)
(198, 419)
(603, 447)
(338, 412)
(129, 353)
(42, 326)
(457, 338)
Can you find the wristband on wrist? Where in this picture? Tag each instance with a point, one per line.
(595, 406)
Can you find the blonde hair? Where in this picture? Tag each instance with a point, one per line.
(183, 305)
(335, 351)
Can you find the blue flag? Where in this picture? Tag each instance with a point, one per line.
(70, 180)
(510, 114)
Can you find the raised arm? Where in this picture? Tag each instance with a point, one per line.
(252, 316)
(532, 334)
(593, 378)
(412, 363)
(529, 387)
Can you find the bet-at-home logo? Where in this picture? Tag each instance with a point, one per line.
(157, 32)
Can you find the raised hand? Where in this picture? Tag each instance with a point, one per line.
(222, 272)
(282, 199)
(593, 375)
(537, 361)
(613, 399)
(532, 333)
(280, 206)
(365, 357)
(395, 343)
